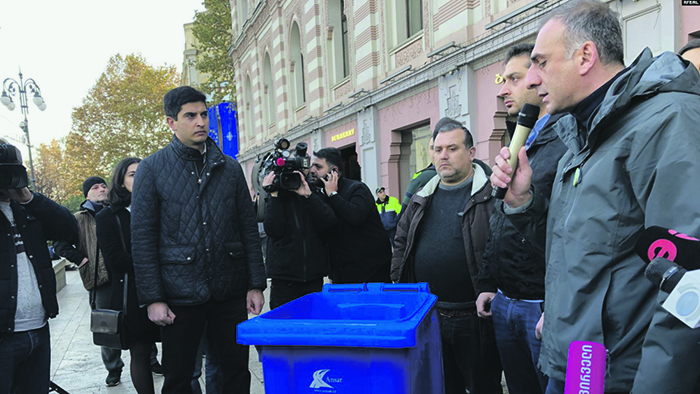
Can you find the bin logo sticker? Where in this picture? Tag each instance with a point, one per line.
(318, 381)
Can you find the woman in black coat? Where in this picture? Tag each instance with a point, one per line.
(116, 250)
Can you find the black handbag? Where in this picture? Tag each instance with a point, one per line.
(109, 326)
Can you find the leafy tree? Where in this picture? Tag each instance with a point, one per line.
(212, 29)
(50, 171)
(121, 116)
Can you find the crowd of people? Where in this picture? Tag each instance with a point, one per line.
(518, 279)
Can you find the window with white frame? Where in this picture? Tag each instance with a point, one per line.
(249, 114)
(297, 67)
(269, 91)
(339, 53)
(405, 17)
(242, 13)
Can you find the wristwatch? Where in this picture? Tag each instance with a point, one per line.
(332, 194)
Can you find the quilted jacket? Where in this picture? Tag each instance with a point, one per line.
(193, 241)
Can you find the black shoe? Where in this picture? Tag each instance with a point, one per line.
(157, 369)
(114, 378)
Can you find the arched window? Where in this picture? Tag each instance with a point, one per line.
(269, 91)
(340, 49)
(298, 70)
(249, 114)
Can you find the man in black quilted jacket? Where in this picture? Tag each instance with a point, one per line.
(196, 248)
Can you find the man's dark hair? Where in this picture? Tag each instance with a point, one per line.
(449, 124)
(692, 44)
(332, 157)
(176, 98)
(591, 20)
(118, 195)
(519, 50)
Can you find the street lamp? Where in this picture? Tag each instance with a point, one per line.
(10, 88)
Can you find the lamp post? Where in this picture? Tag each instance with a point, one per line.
(10, 88)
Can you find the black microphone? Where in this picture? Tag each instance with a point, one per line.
(670, 244)
(526, 121)
(664, 274)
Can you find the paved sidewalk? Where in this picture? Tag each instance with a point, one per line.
(76, 364)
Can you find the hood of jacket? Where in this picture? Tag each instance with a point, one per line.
(645, 77)
(479, 181)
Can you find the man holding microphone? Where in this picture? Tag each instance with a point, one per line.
(632, 136)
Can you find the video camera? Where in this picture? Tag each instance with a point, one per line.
(13, 175)
(284, 165)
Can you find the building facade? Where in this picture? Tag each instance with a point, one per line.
(372, 77)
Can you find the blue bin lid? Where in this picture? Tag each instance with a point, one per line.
(359, 315)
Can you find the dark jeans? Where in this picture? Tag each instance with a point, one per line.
(514, 323)
(25, 361)
(466, 362)
(283, 291)
(213, 372)
(181, 340)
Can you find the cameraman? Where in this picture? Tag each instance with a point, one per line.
(27, 280)
(297, 258)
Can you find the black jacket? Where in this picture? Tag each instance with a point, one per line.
(191, 241)
(39, 220)
(512, 262)
(358, 242)
(294, 224)
(119, 262)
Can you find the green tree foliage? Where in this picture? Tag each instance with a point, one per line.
(121, 116)
(212, 29)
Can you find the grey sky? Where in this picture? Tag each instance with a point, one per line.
(65, 45)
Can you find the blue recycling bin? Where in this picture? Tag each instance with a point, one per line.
(365, 338)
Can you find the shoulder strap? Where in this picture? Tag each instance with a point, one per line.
(126, 274)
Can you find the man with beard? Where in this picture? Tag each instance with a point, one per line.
(360, 251)
(297, 257)
(85, 253)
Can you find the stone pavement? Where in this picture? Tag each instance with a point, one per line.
(76, 364)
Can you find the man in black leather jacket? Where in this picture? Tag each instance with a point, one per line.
(196, 248)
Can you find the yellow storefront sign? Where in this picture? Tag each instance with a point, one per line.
(344, 134)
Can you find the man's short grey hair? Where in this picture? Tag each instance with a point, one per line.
(591, 20)
(448, 124)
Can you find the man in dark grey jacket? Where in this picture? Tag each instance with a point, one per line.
(196, 247)
(632, 162)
